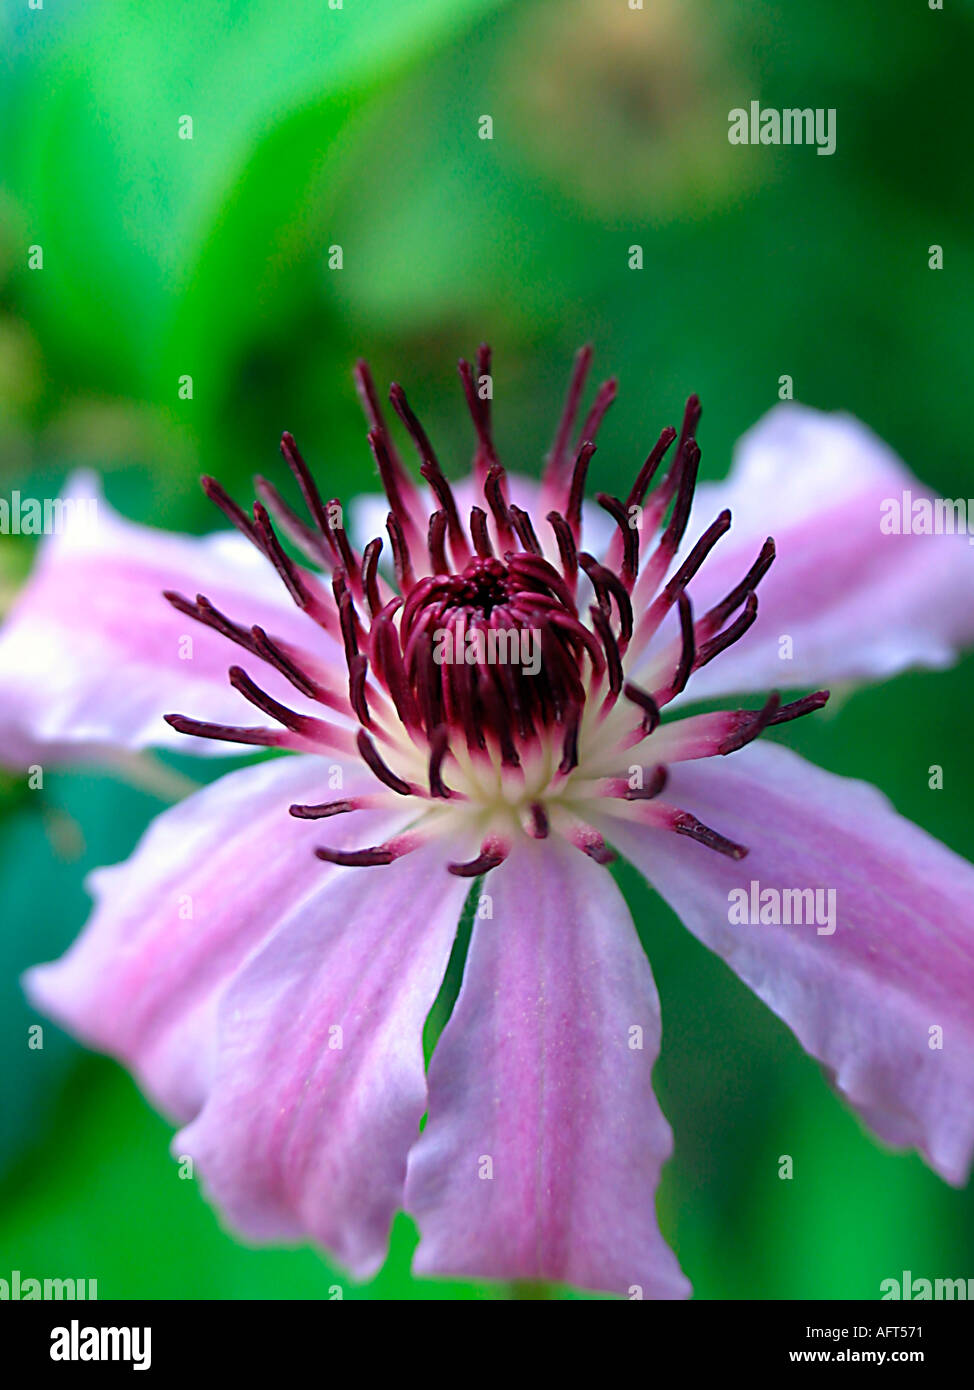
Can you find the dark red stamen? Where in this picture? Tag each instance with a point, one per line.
(321, 811)
(473, 868)
(298, 532)
(370, 569)
(358, 670)
(569, 750)
(432, 472)
(657, 781)
(524, 529)
(391, 482)
(559, 449)
(687, 645)
(731, 634)
(494, 493)
(613, 659)
(356, 858)
(224, 733)
(480, 534)
(576, 490)
(604, 397)
(480, 417)
(673, 534)
(697, 555)
(373, 760)
(307, 485)
(686, 824)
(285, 566)
(566, 547)
(273, 653)
(400, 554)
(645, 475)
(605, 583)
(303, 724)
(722, 611)
(439, 747)
(377, 427)
(628, 534)
(808, 704)
(645, 702)
(229, 508)
(750, 724)
(436, 543)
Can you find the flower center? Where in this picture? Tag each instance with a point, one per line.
(483, 586)
(503, 682)
(493, 654)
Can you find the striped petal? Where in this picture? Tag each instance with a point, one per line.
(883, 993)
(545, 1141)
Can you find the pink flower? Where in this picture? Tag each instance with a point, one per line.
(489, 703)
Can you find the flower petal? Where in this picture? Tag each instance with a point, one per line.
(857, 603)
(208, 883)
(92, 654)
(866, 999)
(544, 1143)
(320, 1086)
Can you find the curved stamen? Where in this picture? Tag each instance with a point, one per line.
(304, 724)
(432, 472)
(370, 572)
(576, 491)
(400, 553)
(555, 467)
(731, 634)
(439, 747)
(486, 455)
(686, 824)
(307, 486)
(373, 760)
(481, 536)
(645, 702)
(721, 611)
(493, 851)
(229, 508)
(645, 475)
(604, 397)
(628, 533)
(606, 582)
(225, 733)
(524, 529)
(494, 490)
(298, 532)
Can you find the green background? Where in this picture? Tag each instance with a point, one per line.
(359, 127)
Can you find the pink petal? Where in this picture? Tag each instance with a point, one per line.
(900, 962)
(320, 1086)
(857, 603)
(537, 1081)
(210, 880)
(92, 654)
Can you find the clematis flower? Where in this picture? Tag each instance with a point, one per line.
(497, 697)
